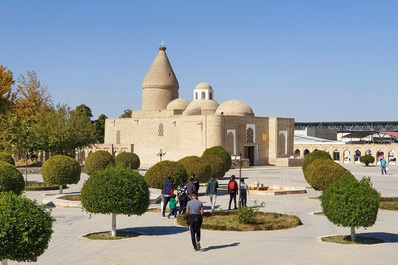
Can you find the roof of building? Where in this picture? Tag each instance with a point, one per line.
(303, 139)
(179, 103)
(201, 107)
(235, 108)
(203, 85)
(161, 74)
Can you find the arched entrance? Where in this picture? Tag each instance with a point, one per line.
(297, 153)
(357, 157)
(346, 156)
(336, 155)
(392, 159)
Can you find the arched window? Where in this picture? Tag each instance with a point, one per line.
(346, 156)
(249, 135)
(210, 95)
(336, 155)
(297, 153)
(357, 155)
(306, 152)
(392, 158)
(196, 95)
(203, 95)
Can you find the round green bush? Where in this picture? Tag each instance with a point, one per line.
(11, 179)
(61, 170)
(197, 165)
(6, 157)
(323, 172)
(216, 165)
(351, 203)
(25, 229)
(367, 159)
(129, 160)
(317, 154)
(221, 153)
(157, 174)
(98, 161)
(116, 190)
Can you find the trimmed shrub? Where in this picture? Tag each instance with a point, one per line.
(323, 172)
(115, 190)
(98, 161)
(25, 229)
(6, 157)
(129, 160)
(221, 153)
(367, 159)
(197, 165)
(61, 170)
(11, 179)
(351, 203)
(311, 157)
(216, 165)
(36, 186)
(157, 174)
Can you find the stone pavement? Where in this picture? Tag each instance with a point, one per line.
(163, 241)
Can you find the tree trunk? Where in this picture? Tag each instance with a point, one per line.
(4, 262)
(61, 189)
(353, 236)
(113, 233)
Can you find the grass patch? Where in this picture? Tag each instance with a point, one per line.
(319, 213)
(153, 210)
(389, 203)
(107, 235)
(361, 240)
(35, 186)
(314, 198)
(228, 221)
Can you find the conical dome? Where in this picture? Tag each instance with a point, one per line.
(161, 74)
(160, 85)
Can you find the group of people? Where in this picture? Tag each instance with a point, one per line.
(190, 205)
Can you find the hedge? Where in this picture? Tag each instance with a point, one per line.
(6, 157)
(221, 153)
(197, 165)
(317, 154)
(11, 179)
(61, 170)
(367, 159)
(158, 173)
(216, 165)
(130, 160)
(98, 161)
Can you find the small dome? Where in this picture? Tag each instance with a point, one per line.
(235, 108)
(179, 103)
(201, 107)
(203, 85)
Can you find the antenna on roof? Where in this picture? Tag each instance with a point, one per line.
(162, 44)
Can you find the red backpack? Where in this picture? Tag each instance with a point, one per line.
(232, 185)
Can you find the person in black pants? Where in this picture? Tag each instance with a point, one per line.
(232, 190)
(166, 193)
(194, 212)
(182, 197)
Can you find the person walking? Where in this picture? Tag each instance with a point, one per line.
(211, 190)
(194, 212)
(196, 182)
(383, 164)
(182, 194)
(173, 206)
(191, 188)
(232, 190)
(244, 190)
(167, 191)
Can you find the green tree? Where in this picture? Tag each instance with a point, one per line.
(367, 159)
(115, 190)
(311, 157)
(61, 170)
(100, 127)
(6, 93)
(197, 165)
(129, 160)
(156, 175)
(351, 203)
(126, 114)
(11, 179)
(221, 153)
(6, 157)
(98, 161)
(25, 229)
(84, 110)
(61, 131)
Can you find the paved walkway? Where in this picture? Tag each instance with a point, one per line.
(164, 242)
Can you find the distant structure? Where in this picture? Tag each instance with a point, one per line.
(184, 128)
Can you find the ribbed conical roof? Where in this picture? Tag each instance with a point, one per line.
(161, 74)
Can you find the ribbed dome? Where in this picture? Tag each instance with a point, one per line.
(235, 108)
(201, 106)
(179, 103)
(204, 85)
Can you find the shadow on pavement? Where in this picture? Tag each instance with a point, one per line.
(157, 230)
(221, 246)
(387, 237)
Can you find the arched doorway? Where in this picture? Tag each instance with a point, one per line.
(379, 156)
(357, 157)
(392, 157)
(230, 143)
(297, 153)
(346, 156)
(306, 152)
(336, 155)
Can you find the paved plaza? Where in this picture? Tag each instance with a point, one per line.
(164, 242)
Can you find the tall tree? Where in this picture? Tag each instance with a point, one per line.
(62, 130)
(126, 114)
(84, 110)
(6, 82)
(100, 127)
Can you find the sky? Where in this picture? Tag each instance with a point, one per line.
(307, 60)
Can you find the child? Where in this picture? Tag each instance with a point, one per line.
(173, 206)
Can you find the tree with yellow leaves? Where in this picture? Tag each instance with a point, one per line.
(6, 93)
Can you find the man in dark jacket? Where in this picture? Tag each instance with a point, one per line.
(167, 191)
(196, 182)
(211, 190)
(232, 190)
(191, 189)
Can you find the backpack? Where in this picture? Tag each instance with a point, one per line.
(232, 185)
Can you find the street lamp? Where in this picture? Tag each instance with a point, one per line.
(161, 153)
(239, 163)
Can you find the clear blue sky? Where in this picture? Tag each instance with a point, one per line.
(309, 60)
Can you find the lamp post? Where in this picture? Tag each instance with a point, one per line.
(239, 163)
(161, 153)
